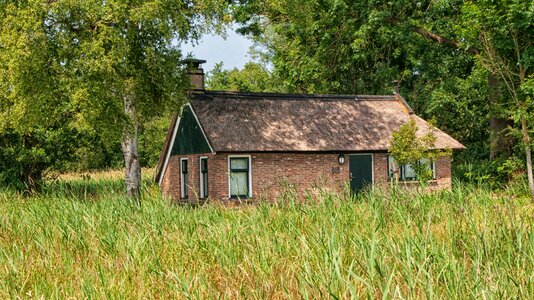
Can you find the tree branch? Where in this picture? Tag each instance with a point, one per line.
(442, 40)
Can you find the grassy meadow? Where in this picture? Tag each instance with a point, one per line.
(78, 238)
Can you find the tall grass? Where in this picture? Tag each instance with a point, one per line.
(80, 239)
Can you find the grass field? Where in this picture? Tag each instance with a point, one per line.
(79, 239)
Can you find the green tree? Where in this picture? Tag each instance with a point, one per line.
(361, 46)
(112, 65)
(414, 148)
(36, 132)
(254, 77)
(433, 47)
(504, 32)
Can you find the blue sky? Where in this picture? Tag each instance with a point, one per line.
(232, 51)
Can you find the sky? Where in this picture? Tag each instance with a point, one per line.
(232, 51)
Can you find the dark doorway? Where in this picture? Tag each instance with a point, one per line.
(361, 171)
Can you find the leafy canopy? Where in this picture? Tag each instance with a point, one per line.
(254, 77)
(66, 67)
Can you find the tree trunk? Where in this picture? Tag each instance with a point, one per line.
(132, 176)
(500, 143)
(528, 150)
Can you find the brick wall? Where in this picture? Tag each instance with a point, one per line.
(171, 185)
(276, 173)
(381, 170)
(443, 173)
(273, 174)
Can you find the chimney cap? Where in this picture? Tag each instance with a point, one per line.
(193, 63)
(194, 72)
(396, 86)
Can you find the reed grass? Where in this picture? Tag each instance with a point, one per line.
(79, 238)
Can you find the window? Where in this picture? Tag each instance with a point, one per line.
(203, 177)
(183, 177)
(406, 172)
(239, 177)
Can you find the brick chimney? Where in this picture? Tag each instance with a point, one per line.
(195, 73)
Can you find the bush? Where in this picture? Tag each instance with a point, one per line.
(26, 158)
(497, 172)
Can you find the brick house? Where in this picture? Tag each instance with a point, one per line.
(230, 145)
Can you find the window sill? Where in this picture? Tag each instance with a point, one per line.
(412, 181)
(240, 198)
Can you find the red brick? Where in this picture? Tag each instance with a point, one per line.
(273, 174)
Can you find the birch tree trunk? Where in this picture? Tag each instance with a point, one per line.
(528, 150)
(132, 164)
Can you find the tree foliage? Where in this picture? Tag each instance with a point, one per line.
(360, 47)
(100, 67)
(504, 32)
(410, 148)
(439, 50)
(83, 80)
(253, 77)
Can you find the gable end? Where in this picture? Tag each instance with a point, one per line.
(185, 136)
(189, 137)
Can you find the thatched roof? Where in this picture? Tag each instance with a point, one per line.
(249, 122)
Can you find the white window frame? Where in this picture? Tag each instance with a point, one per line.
(183, 187)
(401, 171)
(169, 150)
(174, 133)
(202, 192)
(249, 173)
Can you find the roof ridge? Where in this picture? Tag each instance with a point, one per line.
(290, 96)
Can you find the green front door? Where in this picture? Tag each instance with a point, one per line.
(361, 171)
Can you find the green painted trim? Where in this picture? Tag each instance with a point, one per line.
(189, 138)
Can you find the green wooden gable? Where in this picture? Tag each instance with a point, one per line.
(189, 137)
